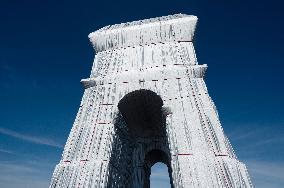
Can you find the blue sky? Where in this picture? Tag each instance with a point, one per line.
(44, 52)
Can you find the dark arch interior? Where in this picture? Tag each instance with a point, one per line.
(155, 156)
(142, 111)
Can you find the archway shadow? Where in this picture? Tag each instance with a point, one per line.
(139, 141)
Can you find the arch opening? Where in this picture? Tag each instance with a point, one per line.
(142, 112)
(157, 169)
(160, 176)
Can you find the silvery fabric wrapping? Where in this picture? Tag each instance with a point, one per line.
(153, 55)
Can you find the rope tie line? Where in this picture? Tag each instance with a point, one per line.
(222, 155)
(106, 104)
(183, 154)
(104, 123)
(84, 160)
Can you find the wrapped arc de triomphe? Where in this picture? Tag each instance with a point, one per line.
(145, 102)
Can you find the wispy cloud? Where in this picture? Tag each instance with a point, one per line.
(241, 135)
(268, 169)
(267, 141)
(266, 173)
(6, 151)
(261, 136)
(258, 144)
(13, 167)
(15, 175)
(29, 138)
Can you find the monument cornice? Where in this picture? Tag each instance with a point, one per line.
(154, 74)
(173, 28)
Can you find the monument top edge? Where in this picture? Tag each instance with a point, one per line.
(177, 27)
(160, 20)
